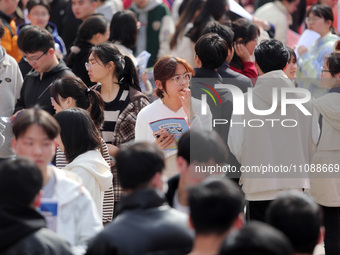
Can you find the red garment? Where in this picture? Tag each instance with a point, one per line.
(248, 70)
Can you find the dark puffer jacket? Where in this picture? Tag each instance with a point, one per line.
(145, 225)
(23, 232)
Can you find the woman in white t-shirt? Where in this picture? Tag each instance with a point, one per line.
(163, 121)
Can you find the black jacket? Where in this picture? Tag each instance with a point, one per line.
(23, 232)
(35, 91)
(221, 110)
(231, 77)
(145, 225)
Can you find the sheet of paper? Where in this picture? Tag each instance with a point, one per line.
(307, 38)
(142, 60)
(239, 10)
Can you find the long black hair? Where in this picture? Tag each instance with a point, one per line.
(244, 32)
(124, 67)
(212, 9)
(85, 98)
(78, 132)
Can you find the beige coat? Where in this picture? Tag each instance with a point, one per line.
(325, 186)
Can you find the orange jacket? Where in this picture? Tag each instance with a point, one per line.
(9, 40)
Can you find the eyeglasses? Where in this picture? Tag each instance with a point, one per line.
(37, 15)
(324, 70)
(179, 79)
(312, 20)
(89, 65)
(34, 59)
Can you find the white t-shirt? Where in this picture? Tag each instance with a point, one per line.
(153, 112)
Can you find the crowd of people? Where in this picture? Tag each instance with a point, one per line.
(169, 127)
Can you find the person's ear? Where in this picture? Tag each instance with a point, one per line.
(37, 200)
(230, 54)
(50, 51)
(239, 221)
(94, 4)
(198, 62)
(157, 181)
(70, 102)
(239, 40)
(182, 164)
(191, 224)
(337, 75)
(110, 65)
(159, 84)
(14, 144)
(29, 17)
(329, 23)
(285, 66)
(321, 235)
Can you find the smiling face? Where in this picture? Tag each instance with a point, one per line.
(36, 145)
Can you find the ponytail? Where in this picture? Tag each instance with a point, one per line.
(96, 108)
(129, 76)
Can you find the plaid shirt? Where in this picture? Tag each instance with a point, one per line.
(125, 130)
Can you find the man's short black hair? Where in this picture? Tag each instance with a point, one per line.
(202, 146)
(212, 50)
(214, 205)
(138, 163)
(256, 238)
(37, 39)
(223, 31)
(20, 181)
(298, 217)
(271, 55)
(33, 3)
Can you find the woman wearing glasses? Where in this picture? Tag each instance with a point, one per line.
(324, 182)
(123, 99)
(319, 19)
(163, 121)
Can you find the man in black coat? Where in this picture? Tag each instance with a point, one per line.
(38, 46)
(145, 224)
(23, 229)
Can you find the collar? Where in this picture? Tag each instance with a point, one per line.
(141, 199)
(5, 16)
(334, 90)
(58, 67)
(206, 73)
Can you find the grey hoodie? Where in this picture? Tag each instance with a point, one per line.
(10, 86)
